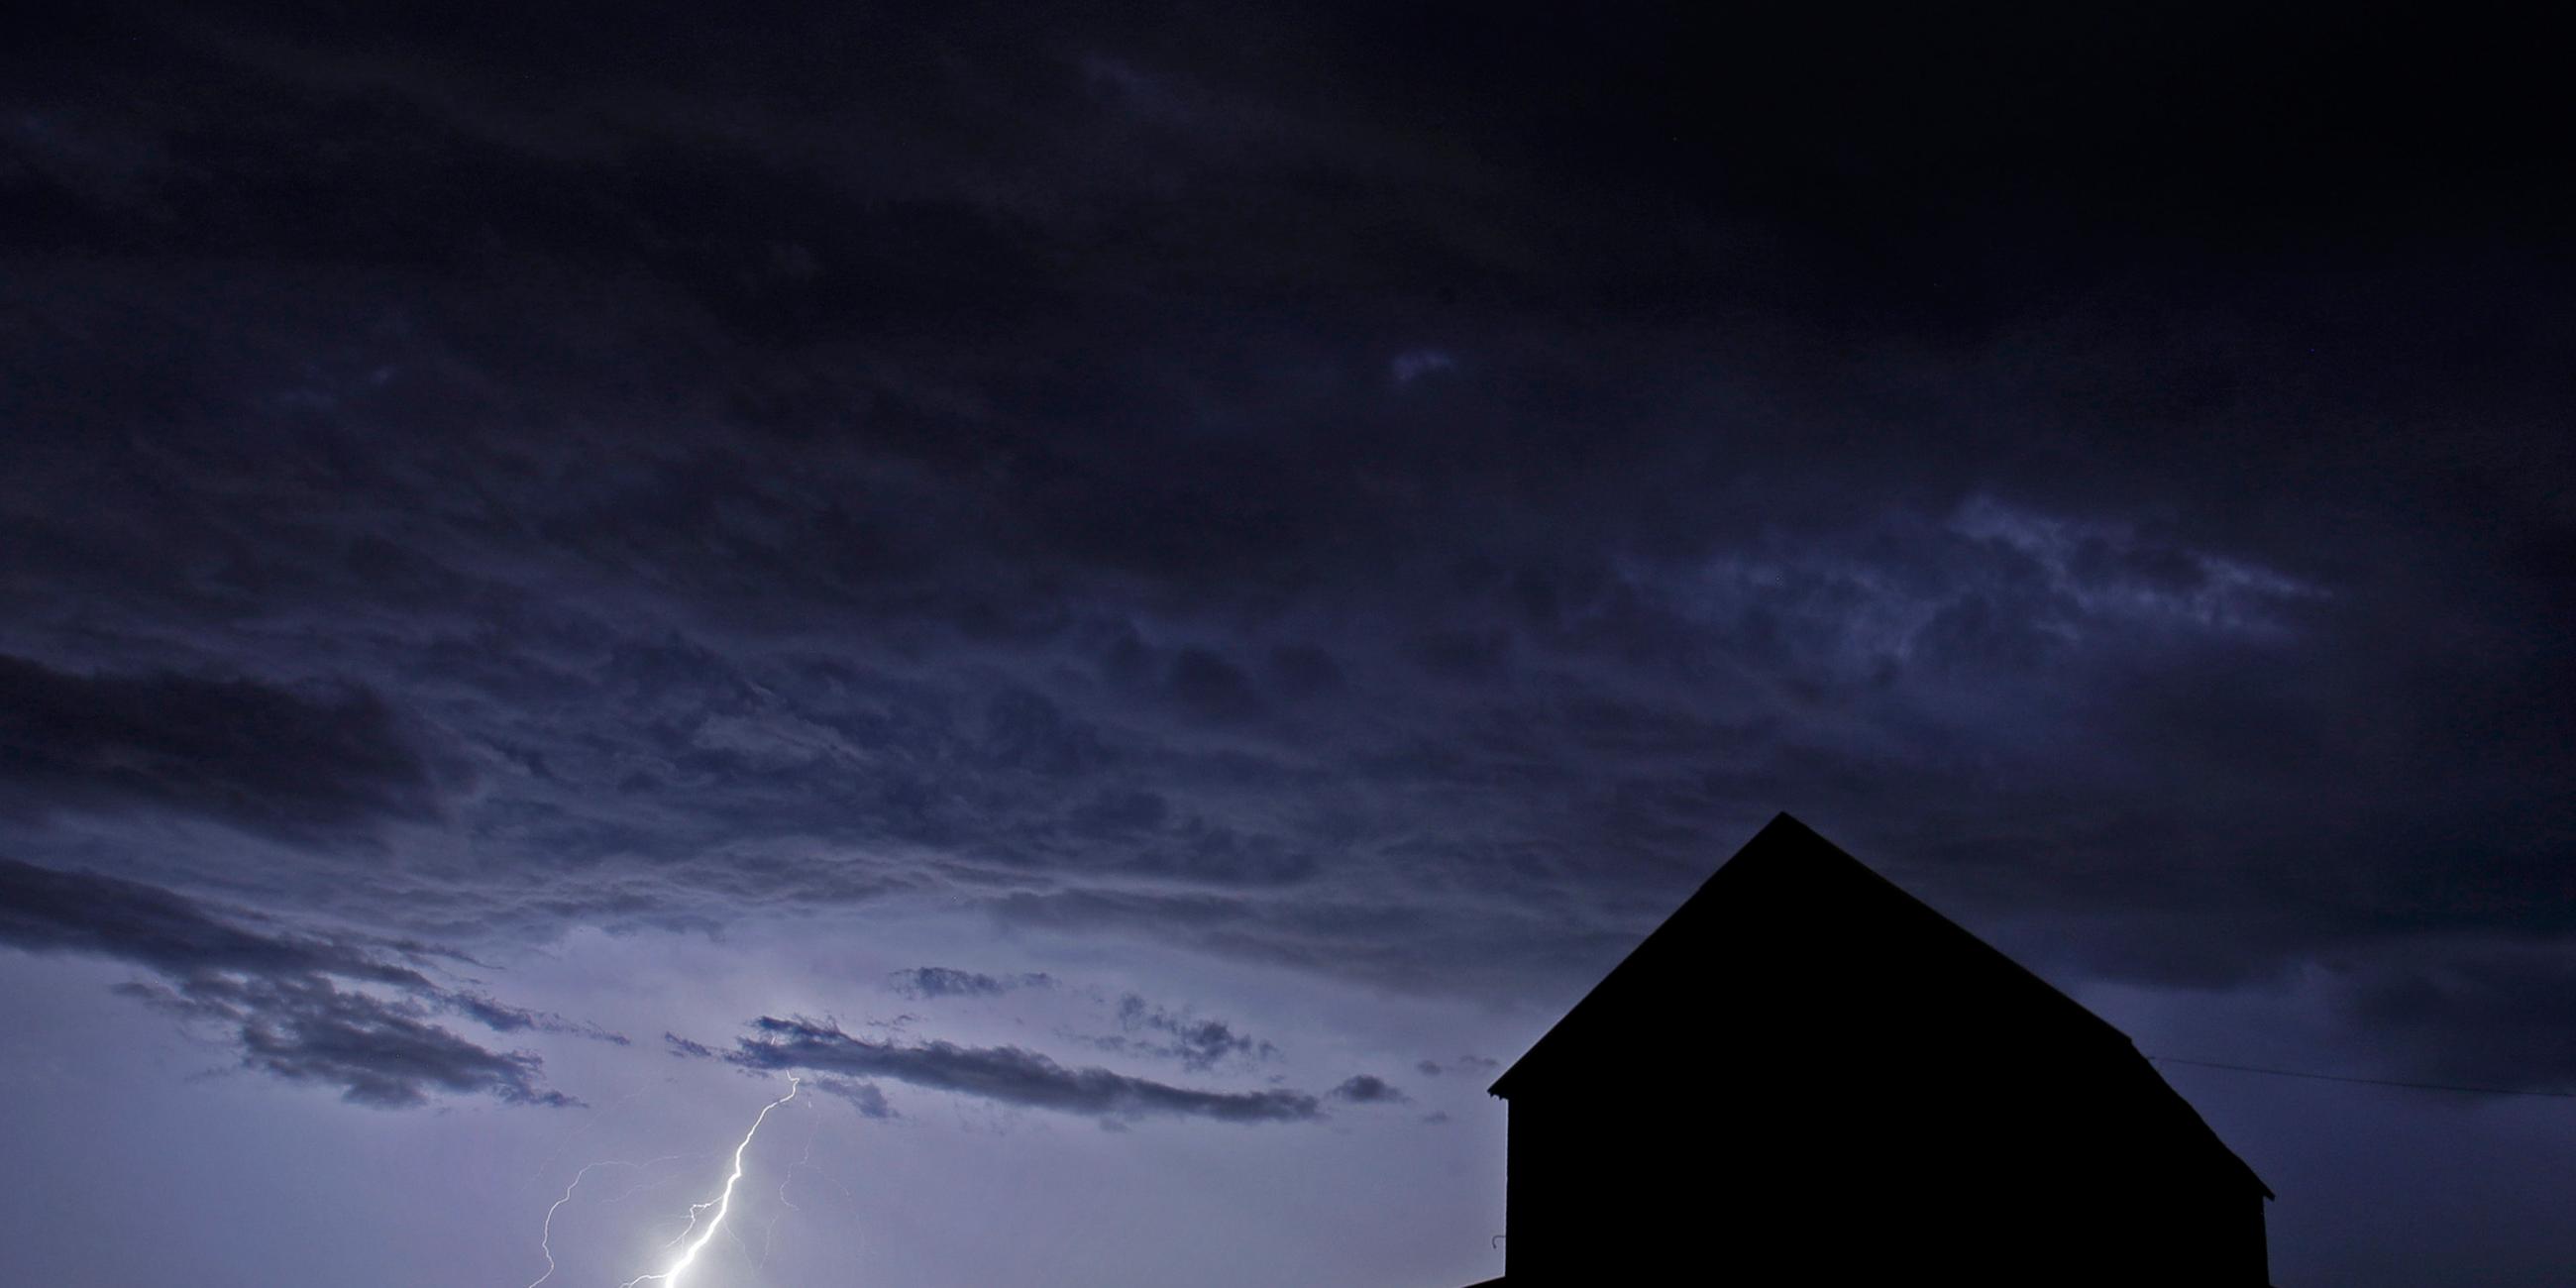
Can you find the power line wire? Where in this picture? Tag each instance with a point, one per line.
(2374, 1082)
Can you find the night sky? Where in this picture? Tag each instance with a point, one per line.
(1141, 598)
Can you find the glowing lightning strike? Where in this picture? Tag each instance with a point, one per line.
(546, 1236)
(723, 1203)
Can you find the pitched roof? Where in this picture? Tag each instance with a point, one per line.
(1792, 905)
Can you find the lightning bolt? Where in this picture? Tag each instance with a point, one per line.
(722, 1203)
(546, 1235)
(769, 1235)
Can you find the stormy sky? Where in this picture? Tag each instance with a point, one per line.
(1142, 597)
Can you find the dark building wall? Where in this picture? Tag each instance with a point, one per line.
(1818, 1180)
(1805, 1069)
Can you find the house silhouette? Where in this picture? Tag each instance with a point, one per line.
(1806, 1075)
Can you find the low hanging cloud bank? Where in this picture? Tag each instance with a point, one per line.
(1010, 1075)
(301, 1008)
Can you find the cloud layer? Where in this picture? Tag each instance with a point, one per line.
(1009, 1075)
(256, 755)
(1396, 508)
(341, 1013)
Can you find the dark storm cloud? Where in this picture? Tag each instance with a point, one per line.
(1009, 1075)
(947, 981)
(865, 1097)
(251, 754)
(500, 1017)
(1390, 495)
(50, 911)
(1489, 948)
(1369, 1089)
(376, 1052)
(1199, 1043)
(283, 998)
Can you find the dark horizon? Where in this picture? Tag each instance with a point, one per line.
(1141, 597)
